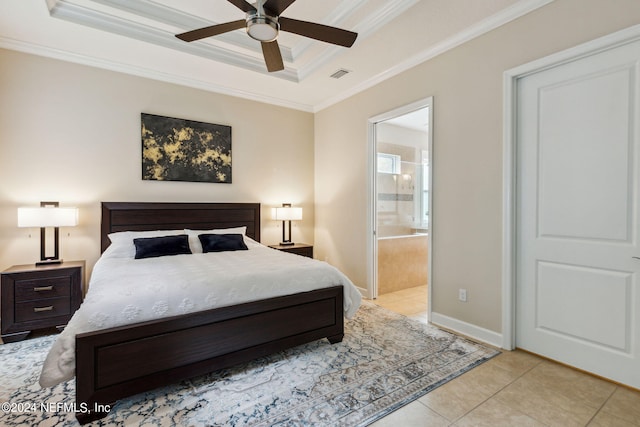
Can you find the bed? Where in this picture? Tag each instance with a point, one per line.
(122, 361)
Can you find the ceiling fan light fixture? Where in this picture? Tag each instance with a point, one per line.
(262, 28)
(263, 23)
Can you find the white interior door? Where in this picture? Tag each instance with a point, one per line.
(577, 295)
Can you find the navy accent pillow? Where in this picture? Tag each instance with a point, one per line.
(152, 247)
(222, 242)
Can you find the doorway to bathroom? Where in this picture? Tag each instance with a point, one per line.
(400, 206)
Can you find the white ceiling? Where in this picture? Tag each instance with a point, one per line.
(137, 37)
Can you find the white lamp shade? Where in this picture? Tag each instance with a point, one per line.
(287, 213)
(47, 217)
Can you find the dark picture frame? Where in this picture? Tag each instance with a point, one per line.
(185, 150)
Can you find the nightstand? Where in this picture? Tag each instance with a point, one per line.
(39, 297)
(298, 249)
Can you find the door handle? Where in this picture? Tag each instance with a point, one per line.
(636, 257)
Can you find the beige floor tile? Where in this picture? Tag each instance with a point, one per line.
(495, 413)
(410, 308)
(545, 404)
(411, 302)
(518, 362)
(603, 419)
(572, 384)
(453, 399)
(625, 404)
(515, 388)
(416, 292)
(412, 415)
(487, 379)
(384, 298)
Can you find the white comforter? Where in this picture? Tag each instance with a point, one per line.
(126, 290)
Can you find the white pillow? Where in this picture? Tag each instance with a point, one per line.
(194, 242)
(122, 242)
(250, 242)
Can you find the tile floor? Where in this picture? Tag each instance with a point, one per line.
(513, 389)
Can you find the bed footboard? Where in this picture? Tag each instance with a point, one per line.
(123, 361)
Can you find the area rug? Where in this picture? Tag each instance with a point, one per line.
(384, 362)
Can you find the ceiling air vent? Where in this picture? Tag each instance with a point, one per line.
(340, 73)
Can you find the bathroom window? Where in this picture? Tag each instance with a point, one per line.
(389, 163)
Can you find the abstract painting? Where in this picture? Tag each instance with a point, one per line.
(185, 150)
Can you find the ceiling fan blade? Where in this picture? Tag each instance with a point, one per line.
(316, 31)
(277, 6)
(242, 5)
(272, 56)
(213, 30)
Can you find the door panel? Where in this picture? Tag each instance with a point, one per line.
(569, 295)
(584, 145)
(577, 296)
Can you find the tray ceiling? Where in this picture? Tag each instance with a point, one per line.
(137, 37)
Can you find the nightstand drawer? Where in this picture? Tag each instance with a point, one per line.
(35, 289)
(42, 309)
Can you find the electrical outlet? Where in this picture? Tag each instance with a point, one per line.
(462, 295)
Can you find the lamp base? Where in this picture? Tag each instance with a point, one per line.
(48, 262)
(287, 243)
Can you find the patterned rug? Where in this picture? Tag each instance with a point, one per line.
(384, 362)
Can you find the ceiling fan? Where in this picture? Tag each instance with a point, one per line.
(263, 22)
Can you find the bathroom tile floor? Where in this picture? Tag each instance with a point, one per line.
(513, 389)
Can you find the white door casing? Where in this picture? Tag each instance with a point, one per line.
(574, 215)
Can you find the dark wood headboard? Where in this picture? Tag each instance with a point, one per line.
(146, 216)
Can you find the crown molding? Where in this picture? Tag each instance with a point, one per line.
(372, 23)
(179, 19)
(48, 52)
(335, 18)
(68, 11)
(501, 18)
(150, 10)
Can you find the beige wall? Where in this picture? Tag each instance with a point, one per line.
(71, 133)
(466, 84)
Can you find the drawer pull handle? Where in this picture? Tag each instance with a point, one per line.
(43, 288)
(39, 309)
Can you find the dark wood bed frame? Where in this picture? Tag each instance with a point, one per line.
(118, 362)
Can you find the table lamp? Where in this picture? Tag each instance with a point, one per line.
(286, 214)
(49, 214)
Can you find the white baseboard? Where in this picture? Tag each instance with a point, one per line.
(464, 328)
(364, 292)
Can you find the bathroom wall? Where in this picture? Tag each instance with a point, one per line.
(402, 262)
